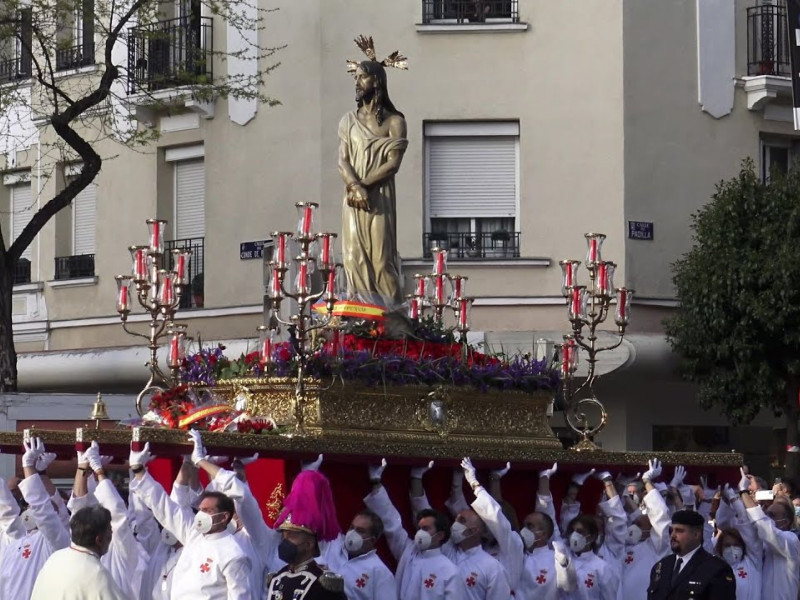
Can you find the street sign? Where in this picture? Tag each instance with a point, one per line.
(640, 230)
(251, 250)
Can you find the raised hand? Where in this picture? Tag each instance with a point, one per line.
(560, 553)
(141, 458)
(469, 472)
(499, 473)
(376, 471)
(580, 478)
(93, 456)
(246, 460)
(549, 472)
(744, 482)
(418, 472)
(34, 448)
(653, 470)
(44, 461)
(678, 477)
(312, 466)
(604, 476)
(199, 451)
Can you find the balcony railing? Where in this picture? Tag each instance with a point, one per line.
(14, 69)
(768, 41)
(170, 53)
(75, 57)
(193, 296)
(74, 267)
(470, 11)
(22, 271)
(474, 246)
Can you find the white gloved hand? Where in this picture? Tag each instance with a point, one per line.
(105, 459)
(418, 472)
(744, 482)
(246, 460)
(457, 480)
(34, 448)
(217, 460)
(141, 458)
(499, 473)
(93, 456)
(653, 470)
(560, 553)
(312, 466)
(678, 477)
(580, 478)
(604, 476)
(729, 493)
(376, 471)
(626, 480)
(199, 451)
(549, 472)
(82, 462)
(469, 472)
(44, 461)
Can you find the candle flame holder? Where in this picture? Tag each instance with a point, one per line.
(588, 307)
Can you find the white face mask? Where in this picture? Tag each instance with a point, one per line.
(168, 538)
(636, 500)
(27, 520)
(528, 537)
(634, 535)
(423, 539)
(353, 541)
(577, 542)
(732, 554)
(458, 532)
(203, 522)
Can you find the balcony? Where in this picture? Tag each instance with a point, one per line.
(473, 246)
(193, 294)
(470, 16)
(22, 272)
(170, 54)
(74, 267)
(768, 41)
(75, 57)
(15, 69)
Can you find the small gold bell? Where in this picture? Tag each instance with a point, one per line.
(99, 411)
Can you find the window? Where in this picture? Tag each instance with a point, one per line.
(472, 189)
(15, 49)
(469, 11)
(189, 216)
(75, 254)
(75, 37)
(20, 199)
(777, 156)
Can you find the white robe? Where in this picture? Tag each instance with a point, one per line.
(11, 527)
(640, 558)
(538, 580)
(75, 573)
(595, 578)
(781, 548)
(428, 574)
(366, 577)
(157, 577)
(212, 566)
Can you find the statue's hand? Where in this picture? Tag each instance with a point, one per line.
(357, 197)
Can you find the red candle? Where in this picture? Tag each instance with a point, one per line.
(155, 236)
(568, 275)
(335, 342)
(326, 249)
(139, 269)
(576, 302)
(331, 290)
(440, 262)
(593, 250)
(414, 308)
(457, 289)
(301, 278)
(421, 287)
(307, 220)
(166, 291)
(275, 290)
(602, 280)
(281, 248)
(122, 302)
(440, 289)
(462, 315)
(174, 352)
(266, 351)
(565, 358)
(180, 269)
(622, 302)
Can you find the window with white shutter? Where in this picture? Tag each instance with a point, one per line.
(472, 188)
(22, 210)
(84, 210)
(190, 193)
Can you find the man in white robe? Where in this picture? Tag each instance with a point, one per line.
(75, 573)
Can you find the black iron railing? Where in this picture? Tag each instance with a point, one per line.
(22, 271)
(498, 244)
(74, 267)
(170, 53)
(470, 11)
(194, 293)
(75, 57)
(768, 40)
(19, 66)
(15, 69)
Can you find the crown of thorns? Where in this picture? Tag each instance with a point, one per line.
(395, 59)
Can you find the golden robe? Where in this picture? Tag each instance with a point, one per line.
(369, 238)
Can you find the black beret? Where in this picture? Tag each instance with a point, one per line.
(689, 518)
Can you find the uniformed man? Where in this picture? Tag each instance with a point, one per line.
(308, 517)
(690, 571)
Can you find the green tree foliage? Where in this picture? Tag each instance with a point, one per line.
(737, 331)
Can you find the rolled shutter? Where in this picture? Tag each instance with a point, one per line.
(84, 208)
(190, 192)
(472, 177)
(22, 211)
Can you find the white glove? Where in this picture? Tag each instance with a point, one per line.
(678, 477)
(34, 448)
(418, 472)
(469, 472)
(82, 458)
(744, 482)
(580, 478)
(217, 460)
(199, 451)
(499, 473)
(105, 459)
(626, 480)
(653, 470)
(549, 472)
(93, 456)
(560, 553)
(729, 493)
(246, 460)
(458, 479)
(312, 466)
(376, 471)
(141, 458)
(603, 476)
(44, 461)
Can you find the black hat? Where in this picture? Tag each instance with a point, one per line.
(689, 518)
